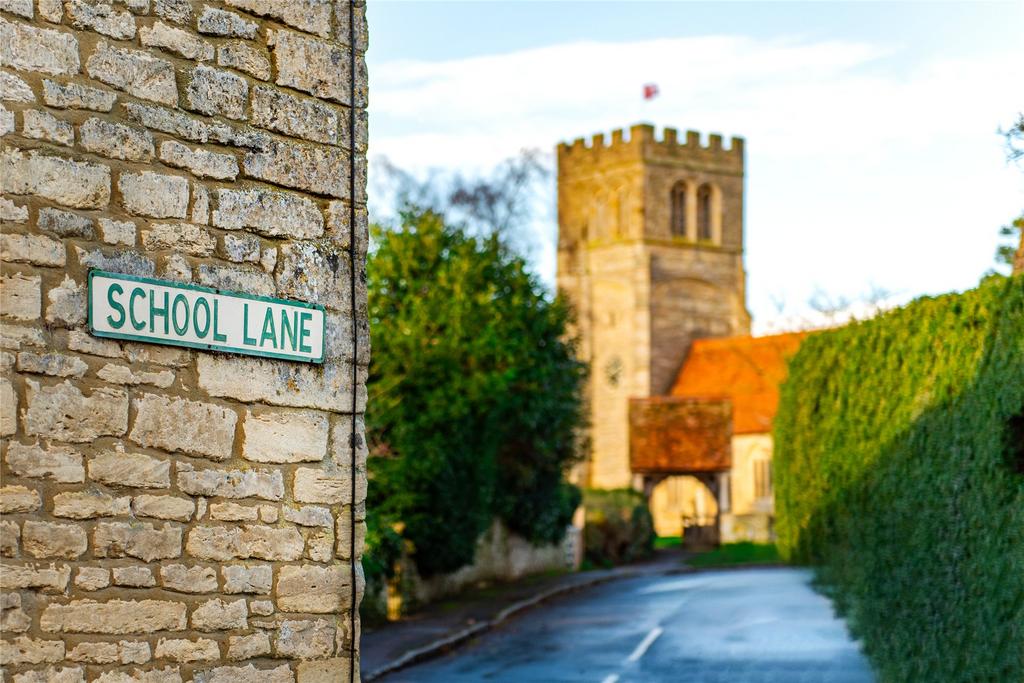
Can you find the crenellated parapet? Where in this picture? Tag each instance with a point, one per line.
(641, 143)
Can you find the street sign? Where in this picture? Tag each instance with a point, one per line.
(161, 312)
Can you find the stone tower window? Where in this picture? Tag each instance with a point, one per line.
(704, 213)
(678, 226)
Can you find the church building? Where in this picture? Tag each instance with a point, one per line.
(650, 253)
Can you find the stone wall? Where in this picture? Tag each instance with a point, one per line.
(173, 515)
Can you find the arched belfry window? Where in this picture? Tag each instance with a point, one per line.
(704, 213)
(678, 226)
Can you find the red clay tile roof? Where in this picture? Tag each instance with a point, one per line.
(747, 370)
(669, 435)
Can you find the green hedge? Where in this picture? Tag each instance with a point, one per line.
(899, 448)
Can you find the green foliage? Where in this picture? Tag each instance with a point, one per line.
(1012, 233)
(474, 392)
(383, 549)
(743, 552)
(619, 527)
(899, 451)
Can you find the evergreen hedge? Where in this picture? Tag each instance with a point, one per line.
(899, 449)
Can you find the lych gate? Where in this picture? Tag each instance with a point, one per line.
(672, 436)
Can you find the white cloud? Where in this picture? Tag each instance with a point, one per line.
(863, 165)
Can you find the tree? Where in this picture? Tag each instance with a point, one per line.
(475, 392)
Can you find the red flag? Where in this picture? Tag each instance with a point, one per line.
(650, 91)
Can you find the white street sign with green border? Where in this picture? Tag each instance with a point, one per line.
(161, 312)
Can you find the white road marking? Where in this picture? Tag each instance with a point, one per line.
(611, 678)
(645, 643)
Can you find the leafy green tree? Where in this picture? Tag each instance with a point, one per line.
(475, 392)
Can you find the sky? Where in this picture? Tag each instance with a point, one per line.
(872, 154)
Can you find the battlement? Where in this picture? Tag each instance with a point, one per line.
(641, 142)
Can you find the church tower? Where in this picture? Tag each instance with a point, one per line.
(650, 253)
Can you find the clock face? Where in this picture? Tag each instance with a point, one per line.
(613, 370)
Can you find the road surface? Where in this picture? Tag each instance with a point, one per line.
(736, 626)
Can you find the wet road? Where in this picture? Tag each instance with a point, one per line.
(740, 626)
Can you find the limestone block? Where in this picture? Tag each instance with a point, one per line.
(167, 121)
(247, 674)
(128, 261)
(64, 413)
(241, 248)
(92, 578)
(122, 652)
(309, 515)
(305, 639)
(246, 647)
(236, 278)
(220, 615)
(20, 296)
(114, 616)
(115, 140)
(136, 470)
(14, 89)
(200, 204)
(134, 71)
(120, 374)
(138, 539)
(154, 195)
(50, 539)
(325, 387)
(181, 425)
(271, 543)
(315, 66)
(321, 170)
(343, 531)
(6, 121)
(244, 57)
(312, 16)
(313, 485)
(18, 499)
(56, 364)
(117, 232)
(303, 118)
(77, 96)
(265, 484)
(242, 579)
(35, 249)
(11, 212)
(163, 507)
(168, 674)
(214, 92)
(101, 18)
(133, 577)
(13, 619)
(181, 43)
(217, 22)
(80, 341)
(186, 237)
(65, 223)
(326, 670)
(315, 272)
(10, 537)
(320, 545)
(66, 306)
(50, 578)
(185, 651)
(215, 543)
(25, 650)
(271, 214)
(78, 184)
(285, 436)
(178, 11)
(313, 589)
(52, 674)
(38, 49)
(233, 512)
(56, 462)
(89, 504)
(183, 579)
(200, 162)
(41, 125)
(8, 408)
(263, 608)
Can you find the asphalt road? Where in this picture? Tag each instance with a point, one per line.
(738, 626)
